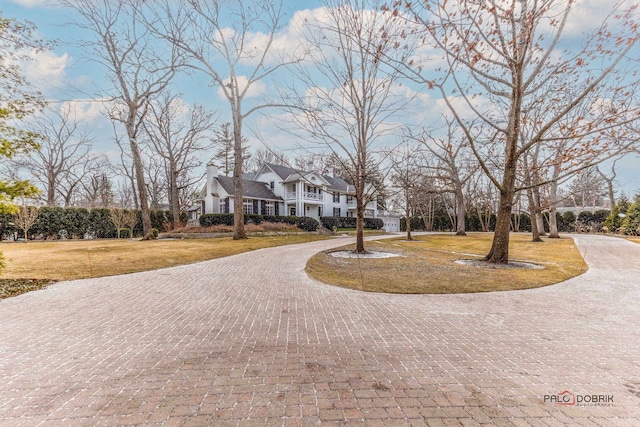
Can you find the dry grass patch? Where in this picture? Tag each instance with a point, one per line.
(78, 259)
(634, 239)
(352, 232)
(428, 266)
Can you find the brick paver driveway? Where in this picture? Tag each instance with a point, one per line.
(250, 340)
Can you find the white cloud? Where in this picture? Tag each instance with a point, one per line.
(588, 15)
(46, 68)
(86, 110)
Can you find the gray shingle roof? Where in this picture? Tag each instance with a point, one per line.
(253, 189)
(284, 172)
(338, 184)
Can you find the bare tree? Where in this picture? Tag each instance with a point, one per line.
(118, 218)
(350, 113)
(178, 137)
(219, 38)
(156, 181)
(25, 218)
(126, 169)
(138, 67)
(587, 189)
(64, 159)
(406, 174)
(124, 196)
(223, 143)
(505, 60)
(454, 167)
(609, 179)
(266, 155)
(97, 190)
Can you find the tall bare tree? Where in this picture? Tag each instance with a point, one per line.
(355, 107)
(407, 173)
(178, 137)
(505, 60)
(138, 67)
(97, 190)
(224, 39)
(454, 167)
(609, 179)
(64, 159)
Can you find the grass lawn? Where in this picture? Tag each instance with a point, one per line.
(77, 259)
(428, 266)
(634, 239)
(352, 232)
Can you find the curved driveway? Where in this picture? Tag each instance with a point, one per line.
(251, 340)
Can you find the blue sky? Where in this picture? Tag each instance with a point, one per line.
(63, 75)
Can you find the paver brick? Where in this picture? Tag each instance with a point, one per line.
(251, 340)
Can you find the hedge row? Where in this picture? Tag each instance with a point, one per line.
(350, 222)
(79, 222)
(304, 223)
(567, 222)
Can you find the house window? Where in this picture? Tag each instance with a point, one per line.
(336, 211)
(223, 206)
(269, 209)
(336, 198)
(292, 211)
(272, 185)
(247, 206)
(319, 211)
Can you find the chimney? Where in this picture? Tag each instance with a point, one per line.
(212, 171)
(309, 166)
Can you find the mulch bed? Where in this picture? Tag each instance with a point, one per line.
(13, 287)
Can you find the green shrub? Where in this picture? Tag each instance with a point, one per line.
(373, 223)
(125, 233)
(51, 219)
(100, 224)
(631, 222)
(155, 232)
(280, 219)
(330, 222)
(253, 219)
(307, 224)
(207, 220)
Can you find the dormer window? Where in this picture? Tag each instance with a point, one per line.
(272, 185)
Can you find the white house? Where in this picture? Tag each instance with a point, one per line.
(280, 190)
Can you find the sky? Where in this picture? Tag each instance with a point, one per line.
(66, 77)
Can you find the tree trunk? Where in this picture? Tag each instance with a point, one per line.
(51, 192)
(460, 211)
(239, 232)
(175, 204)
(535, 231)
(360, 207)
(553, 200)
(408, 216)
(147, 234)
(499, 252)
(538, 210)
